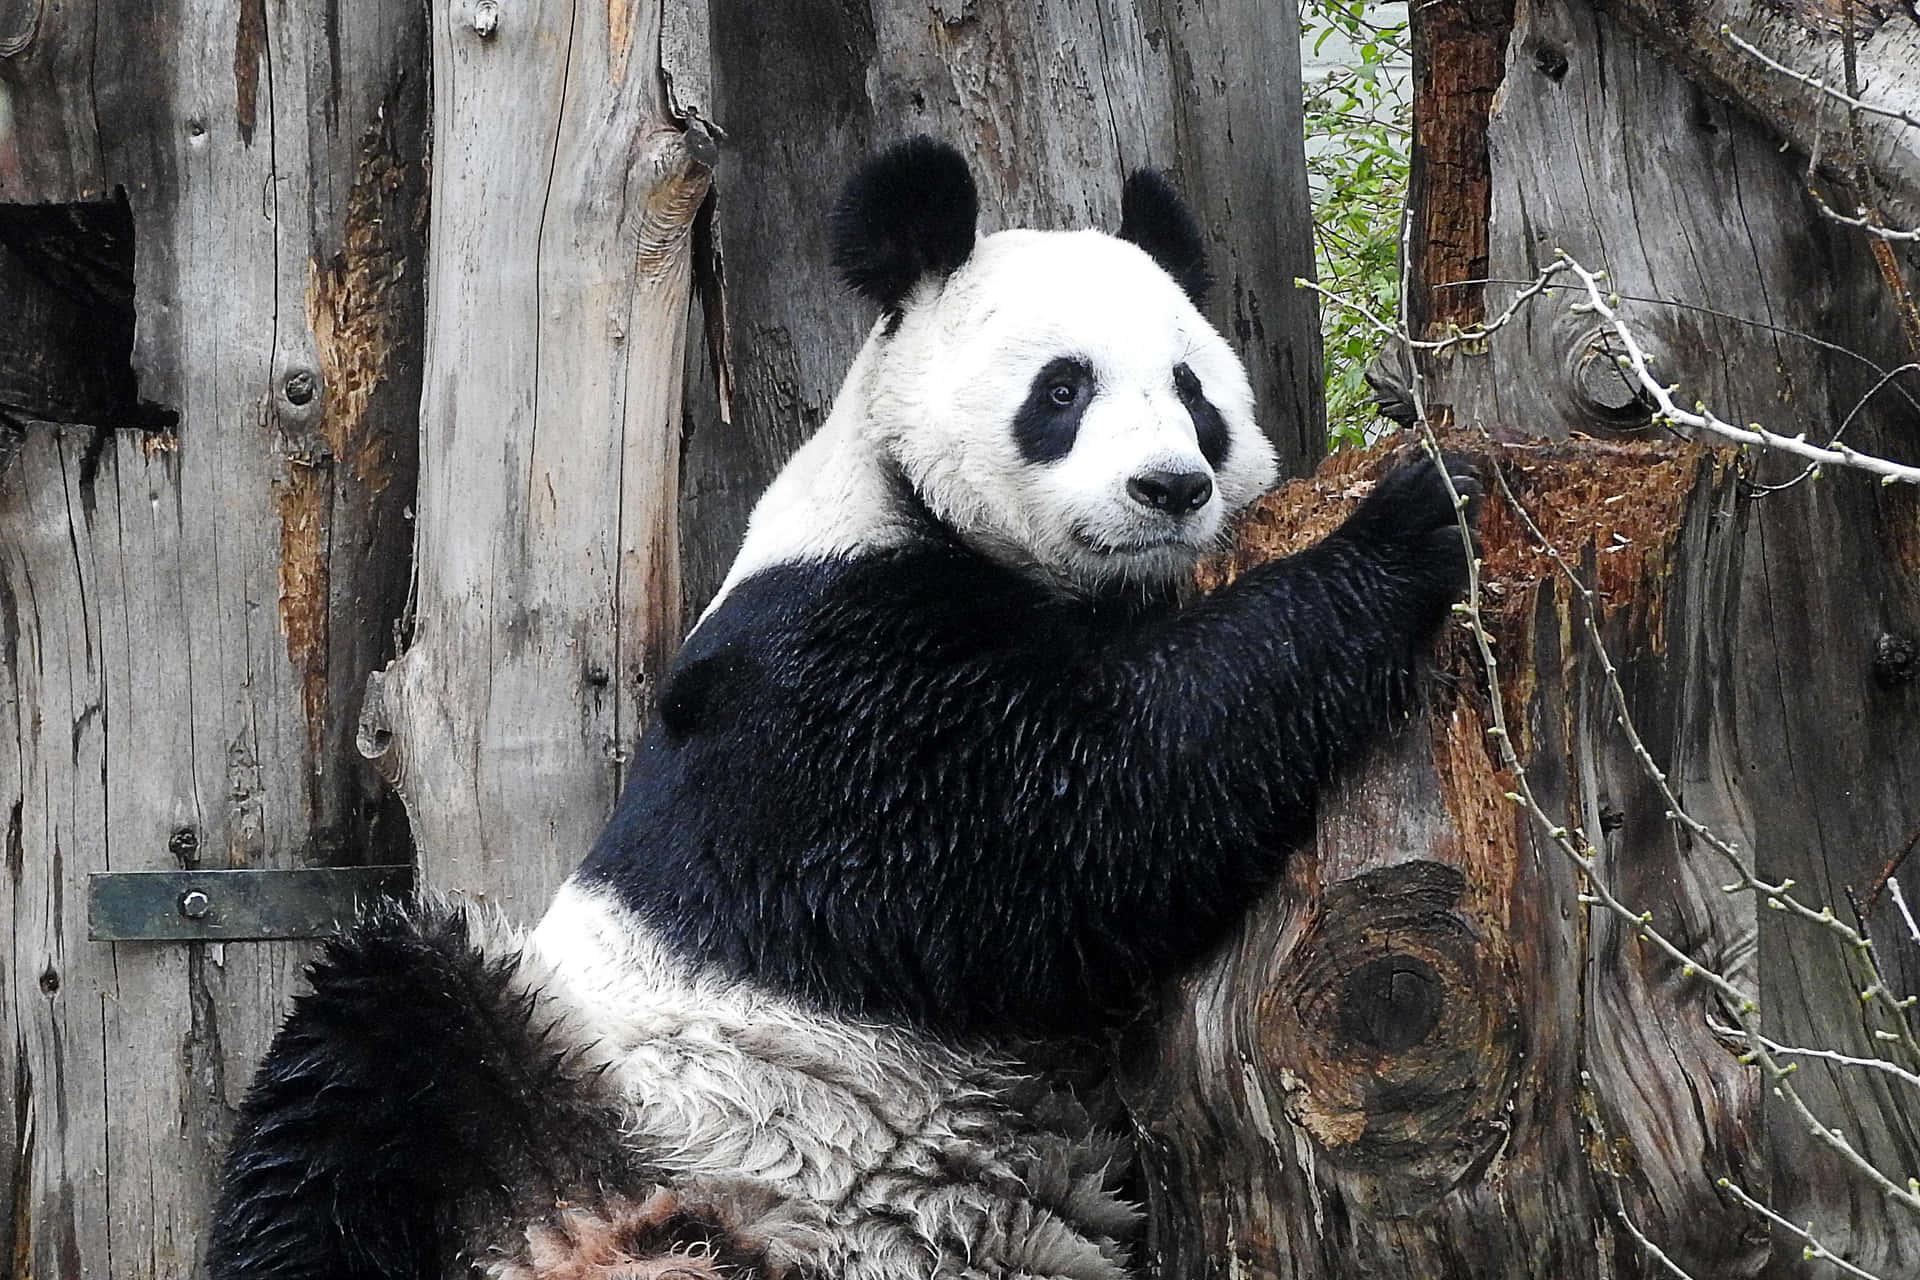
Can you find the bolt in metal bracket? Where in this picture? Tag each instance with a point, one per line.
(233, 906)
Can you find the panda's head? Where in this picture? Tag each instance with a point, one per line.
(1055, 397)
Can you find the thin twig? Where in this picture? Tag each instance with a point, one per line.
(1813, 1249)
(1635, 361)
(1675, 304)
(1843, 1059)
(1472, 335)
(1815, 82)
(1865, 222)
(1900, 901)
(1813, 468)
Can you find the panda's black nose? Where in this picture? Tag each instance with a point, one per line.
(1174, 492)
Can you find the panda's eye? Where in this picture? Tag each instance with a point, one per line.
(1048, 420)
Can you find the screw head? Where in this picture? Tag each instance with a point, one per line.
(194, 904)
(486, 18)
(184, 843)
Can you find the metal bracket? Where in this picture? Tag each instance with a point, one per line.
(233, 906)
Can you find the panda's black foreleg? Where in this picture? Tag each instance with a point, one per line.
(414, 1091)
(1244, 705)
(1321, 650)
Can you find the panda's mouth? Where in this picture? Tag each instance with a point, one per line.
(1139, 547)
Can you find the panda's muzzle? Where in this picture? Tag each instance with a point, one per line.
(1174, 493)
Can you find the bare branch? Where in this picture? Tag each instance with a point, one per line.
(1844, 1059)
(1816, 83)
(1635, 361)
(1814, 1250)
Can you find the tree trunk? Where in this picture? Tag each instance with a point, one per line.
(1054, 106)
(211, 253)
(1430, 1054)
(547, 597)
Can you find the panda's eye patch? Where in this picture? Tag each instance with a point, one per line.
(1048, 422)
(1186, 383)
(1209, 428)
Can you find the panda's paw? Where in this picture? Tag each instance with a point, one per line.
(1411, 520)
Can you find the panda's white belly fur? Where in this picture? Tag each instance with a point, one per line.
(890, 1153)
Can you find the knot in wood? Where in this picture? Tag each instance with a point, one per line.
(1896, 659)
(1605, 387)
(1392, 1003)
(1395, 1022)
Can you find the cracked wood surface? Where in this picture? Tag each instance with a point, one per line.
(547, 596)
(188, 618)
(1472, 1075)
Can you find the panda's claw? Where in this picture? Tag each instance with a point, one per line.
(1412, 498)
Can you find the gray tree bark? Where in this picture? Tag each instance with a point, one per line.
(1428, 1055)
(213, 217)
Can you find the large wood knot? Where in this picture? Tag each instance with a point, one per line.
(1393, 1023)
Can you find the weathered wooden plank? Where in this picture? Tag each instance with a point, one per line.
(1054, 105)
(180, 609)
(548, 583)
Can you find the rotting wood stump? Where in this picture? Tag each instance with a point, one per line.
(1424, 1056)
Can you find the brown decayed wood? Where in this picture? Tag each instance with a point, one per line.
(1459, 48)
(1386, 1074)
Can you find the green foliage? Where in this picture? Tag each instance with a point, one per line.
(1359, 127)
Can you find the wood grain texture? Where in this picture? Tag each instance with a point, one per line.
(1312, 1107)
(188, 618)
(1053, 105)
(1805, 36)
(547, 594)
(1408, 1061)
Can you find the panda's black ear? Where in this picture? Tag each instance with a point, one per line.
(908, 213)
(1153, 216)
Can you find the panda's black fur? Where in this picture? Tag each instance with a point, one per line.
(1038, 804)
(910, 799)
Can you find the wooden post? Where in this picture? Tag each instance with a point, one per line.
(547, 593)
(196, 571)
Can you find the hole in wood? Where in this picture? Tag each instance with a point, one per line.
(66, 317)
(1392, 1004)
(1551, 62)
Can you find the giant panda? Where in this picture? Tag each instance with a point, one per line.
(955, 764)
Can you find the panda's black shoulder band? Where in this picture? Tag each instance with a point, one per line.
(908, 213)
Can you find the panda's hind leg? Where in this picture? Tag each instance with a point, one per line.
(423, 1100)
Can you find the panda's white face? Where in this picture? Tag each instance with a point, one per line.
(1061, 403)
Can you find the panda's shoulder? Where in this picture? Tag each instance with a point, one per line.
(812, 625)
(851, 602)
